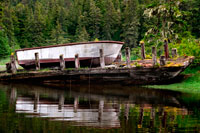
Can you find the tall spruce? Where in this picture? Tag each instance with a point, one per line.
(131, 23)
(111, 20)
(94, 19)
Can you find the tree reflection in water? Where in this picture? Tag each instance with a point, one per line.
(101, 108)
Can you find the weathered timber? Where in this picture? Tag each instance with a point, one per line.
(154, 56)
(162, 60)
(133, 75)
(128, 56)
(166, 49)
(37, 61)
(102, 60)
(13, 64)
(62, 62)
(142, 50)
(77, 62)
(174, 52)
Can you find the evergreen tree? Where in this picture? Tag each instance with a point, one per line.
(111, 21)
(4, 47)
(8, 26)
(36, 26)
(56, 33)
(94, 19)
(131, 23)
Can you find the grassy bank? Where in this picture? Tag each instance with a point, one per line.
(189, 85)
(3, 62)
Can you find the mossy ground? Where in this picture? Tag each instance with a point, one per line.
(191, 84)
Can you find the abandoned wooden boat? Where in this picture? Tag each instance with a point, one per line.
(140, 74)
(88, 53)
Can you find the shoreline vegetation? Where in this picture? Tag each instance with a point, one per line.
(190, 84)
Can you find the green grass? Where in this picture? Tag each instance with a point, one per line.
(189, 85)
(3, 63)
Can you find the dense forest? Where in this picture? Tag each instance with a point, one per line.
(30, 23)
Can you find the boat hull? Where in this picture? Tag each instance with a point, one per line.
(88, 54)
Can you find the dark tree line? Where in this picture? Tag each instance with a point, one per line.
(30, 23)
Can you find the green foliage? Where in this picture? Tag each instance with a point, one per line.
(188, 47)
(45, 22)
(189, 85)
(4, 47)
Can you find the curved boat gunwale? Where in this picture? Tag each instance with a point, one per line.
(70, 44)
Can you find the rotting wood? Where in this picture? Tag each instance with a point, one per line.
(142, 50)
(166, 49)
(62, 62)
(162, 60)
(154, 56)
(77, 62)
(134, 75)
(13, 67)
(37, 61)
(128, 57)
(174, 52)
(102, 60)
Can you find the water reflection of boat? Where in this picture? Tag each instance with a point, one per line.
(93, 106)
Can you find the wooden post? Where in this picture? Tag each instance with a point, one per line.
(142, 50)
(61, 101)
(101, 106)
(166, 49)
(162, 60)
(37, 61)
(13, 67)
(36, 101)
(77, 63)
(126, 111)
(102, 60)
(154, 56)
(62, 62)
(76, 102)
(174, 52)
(128, 57)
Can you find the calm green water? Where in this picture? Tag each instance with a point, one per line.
(106, 108)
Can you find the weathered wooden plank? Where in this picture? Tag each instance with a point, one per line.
(13, 67)
(77, 62)
(162, 60)
(102, 60)
(128, 60)
(142, 50)
(166, 49)
(174, 52)
(37, 61)
(62, 62)
(154, 56)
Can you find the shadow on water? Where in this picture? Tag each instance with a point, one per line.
(83, 108)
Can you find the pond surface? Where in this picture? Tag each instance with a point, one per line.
(94, 108)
